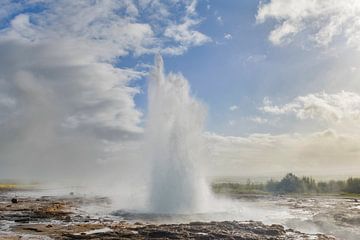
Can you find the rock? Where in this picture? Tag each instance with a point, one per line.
(196, 223)
(162, 234)
(22, 220)
(50, 216)
(14, 200)
(201, 230)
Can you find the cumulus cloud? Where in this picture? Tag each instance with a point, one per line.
(269, 155)
(320, 21)
(330, 147)
(110, 28)
(56, 106)
(183, 32)
(96, 25)
(331, 108)
(66, 105)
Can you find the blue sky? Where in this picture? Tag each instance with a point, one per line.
(223, 65)
(238, 71)
(274, 75)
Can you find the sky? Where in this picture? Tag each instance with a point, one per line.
(279, 79)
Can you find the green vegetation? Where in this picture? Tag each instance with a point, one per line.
(236, 188)
(7, 186)
(12, 186)
(291, 184)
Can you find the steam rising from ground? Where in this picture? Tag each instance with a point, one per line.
(174, 144)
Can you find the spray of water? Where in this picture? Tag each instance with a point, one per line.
(174, 144)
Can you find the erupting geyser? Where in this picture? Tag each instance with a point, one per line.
(174, 144)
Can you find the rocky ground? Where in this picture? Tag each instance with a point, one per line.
(336, 215)
(339, 216)
(60, 218)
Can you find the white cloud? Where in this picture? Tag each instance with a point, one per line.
(227, 36)
(321, 21)
(258, 120)
(233, 108)
(183, 34)
(332, 108)
(277, 36)
(191, 8)
(96, 25)
(256, 58)
(9, 7)
(63, 96)
(155, 9)
(324, 152)
(219, 19)
(57, 106)
(112, 28)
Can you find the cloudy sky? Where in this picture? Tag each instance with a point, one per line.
(280, 79)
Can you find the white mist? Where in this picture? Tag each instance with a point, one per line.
(174, 144)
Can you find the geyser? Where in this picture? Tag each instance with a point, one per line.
(174, 144)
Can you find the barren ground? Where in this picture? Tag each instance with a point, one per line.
(55, 217)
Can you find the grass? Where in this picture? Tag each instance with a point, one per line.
(265, 193)
(352, 195)
(8, 186)
(260, 189)
(15, 186)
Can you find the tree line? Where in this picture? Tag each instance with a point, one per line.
(292, 184)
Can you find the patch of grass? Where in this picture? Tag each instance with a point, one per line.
(352, 195)
(15, 186)
(8, 186)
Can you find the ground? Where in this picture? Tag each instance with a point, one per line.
(54, 217)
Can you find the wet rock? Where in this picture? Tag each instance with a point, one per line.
(22, 220)
(67, 219)
(53, 217)
(196, 223)
(201, 230)
(162, 234)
